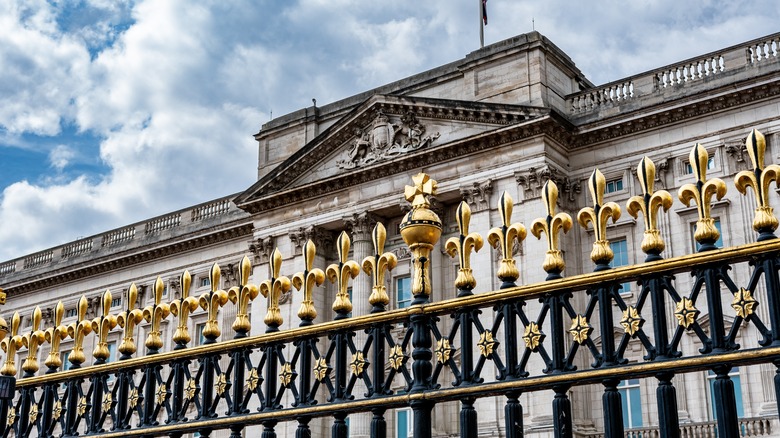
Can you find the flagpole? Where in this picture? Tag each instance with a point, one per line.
(481, 26)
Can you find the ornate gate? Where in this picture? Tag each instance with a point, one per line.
(530, 338)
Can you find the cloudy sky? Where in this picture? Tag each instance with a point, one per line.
(112, 111)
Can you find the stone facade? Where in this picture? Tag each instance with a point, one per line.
(505, 118)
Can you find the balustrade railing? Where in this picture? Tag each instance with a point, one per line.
(39, 259)
(748, 427)
(214, 209)
(118, 236)
(690, 71)
(76, 248)
(162, 223)
(542, 338)
(763, 50)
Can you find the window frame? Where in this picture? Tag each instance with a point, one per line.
(398, 303)
(631, 393)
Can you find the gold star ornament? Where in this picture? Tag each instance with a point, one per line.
(396, 357)
(486, 343)
(580, 329)
(358, 364)
(321, 369)
(686, 313)
(286, 375)
(744, 303)
(631, 321)
(443, 350)
(533, 336)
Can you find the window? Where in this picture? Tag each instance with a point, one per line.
(631, 397)
(111, 352)
(718, 243)
(116, 302)
(615, 185)
(403, 292)
(620, 249)
(688, 169)
(734, 374)
(71, 312)
(199, 333)
(204, 282)
(65, 361)
(349, 294)
(403, 423)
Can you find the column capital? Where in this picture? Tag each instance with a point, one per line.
(477, 195)
(534, 178)
(360, 225)
(321, 237)
(261, 247)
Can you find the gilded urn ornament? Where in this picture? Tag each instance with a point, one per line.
(421, 229)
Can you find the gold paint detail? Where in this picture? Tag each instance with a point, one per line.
(182, 308)
(54, 336)
(503, 239)
(33, 341)
(155, 314)
(81, 407)
(252, 380)
(686, 313)
(221, 384)
(396, 357)
(759, 179)
(78, 331)
(599, 216)
(101, 326)
(551, 225)
(107, 402)
(580, 329)
(11, 417)
(162, 394)
(242, 296)
(192, 388)
(57, 412)
(133, 398)
(11, 344)
(273, 288)
(321, 369)
(307, 281)
(533, 336)
(211, 301)
(443, 350)
(486, 343)
(462, 246)
(341, 273)
(286, 375)
(376, 266)
(649, 203)
(701, 193)
(128, 319)
(421, 230)
(744, 303)
(34, 413)
(631, 320)
(358, 364)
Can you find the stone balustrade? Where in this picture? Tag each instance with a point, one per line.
(749, 427)
(133, 234)
(645, 86)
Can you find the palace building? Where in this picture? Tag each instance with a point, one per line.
(491, 129)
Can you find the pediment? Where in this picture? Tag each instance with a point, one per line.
(385, 130)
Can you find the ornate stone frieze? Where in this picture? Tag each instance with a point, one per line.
(383, 140)
(262, 247)
(737, 152)
(322, 238)
(478, 195)
(534, 178)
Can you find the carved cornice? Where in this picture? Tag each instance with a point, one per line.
(533, 178)
(121, 260)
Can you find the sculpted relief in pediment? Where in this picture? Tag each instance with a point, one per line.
(384, 139)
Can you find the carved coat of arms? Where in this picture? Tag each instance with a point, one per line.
(383, 140)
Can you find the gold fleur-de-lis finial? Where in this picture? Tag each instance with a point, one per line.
(33, 341)
(128, 319)
(101, 326)
(181, 308)
(418, 194)
(242, 295)
(78, 331)
(376, 265)
(701, 193)
(10, 345)
(551, 226)
(54, 335)
(211, 301)
(462, 247)
(648, 204)
(503, 238)
(155, 314)
(759, 179)
(272, 289)
(340, 274)
(307, 281)
(599, 214)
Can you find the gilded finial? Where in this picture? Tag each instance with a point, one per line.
(181, 308)
(211, 301)
(759, 179)
(155, 314)
(462, 247)
(599, 215)
(306, 281)
(551, 226)
(102, 325)
(340, 274)
(503, 239)
(242, 296)
(376, 265)
(33, 341)
(272, 289)
(78, 331)
(128, 319)
(10, 345)
(701, 192)
(54, 335)
(648, 204)
(421, 229)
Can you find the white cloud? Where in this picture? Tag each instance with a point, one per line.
(61, 156)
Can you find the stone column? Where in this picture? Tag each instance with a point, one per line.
(360, 226)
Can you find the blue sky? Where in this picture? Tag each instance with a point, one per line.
(116, 111)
